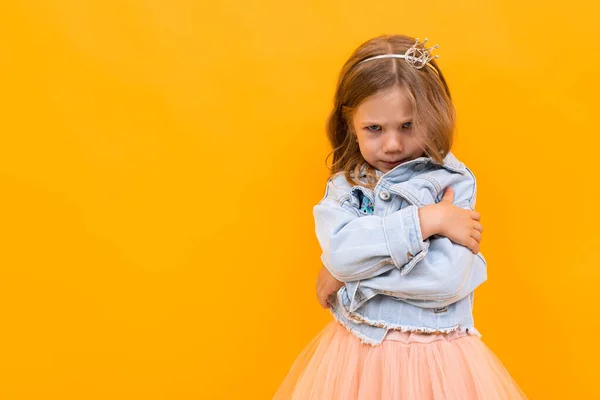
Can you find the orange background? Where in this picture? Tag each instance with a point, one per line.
(160, 161)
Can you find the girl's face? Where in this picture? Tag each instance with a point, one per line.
(383, 126)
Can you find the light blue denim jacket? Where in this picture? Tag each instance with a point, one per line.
(371, 240)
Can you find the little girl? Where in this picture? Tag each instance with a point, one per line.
(400, 240)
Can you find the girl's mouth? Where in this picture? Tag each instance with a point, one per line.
(390, 164)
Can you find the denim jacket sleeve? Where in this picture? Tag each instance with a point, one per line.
(355, 246)
(449, 271)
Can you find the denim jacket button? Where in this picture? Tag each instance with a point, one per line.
(384, 195)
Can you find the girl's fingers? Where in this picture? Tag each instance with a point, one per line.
(320, 299)
(320, 283)
(474, 246)
(448, 195)
(324, 302)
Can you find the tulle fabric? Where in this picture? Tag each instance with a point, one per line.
(406, 366)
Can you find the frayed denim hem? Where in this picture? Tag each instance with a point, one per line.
(387, 326)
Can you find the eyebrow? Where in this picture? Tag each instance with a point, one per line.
(367, 122)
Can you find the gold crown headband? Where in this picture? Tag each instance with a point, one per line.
(417, 55)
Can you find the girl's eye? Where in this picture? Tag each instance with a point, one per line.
(377, 128)
(407, 125)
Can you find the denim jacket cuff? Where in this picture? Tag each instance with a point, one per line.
(404, 238)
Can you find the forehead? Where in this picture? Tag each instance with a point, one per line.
(386, 105)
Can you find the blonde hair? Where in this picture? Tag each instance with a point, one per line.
(434, 119)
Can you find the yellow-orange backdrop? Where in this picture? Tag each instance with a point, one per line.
(160, 161)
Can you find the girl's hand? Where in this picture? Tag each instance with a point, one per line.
(460, 225)
(326, 285)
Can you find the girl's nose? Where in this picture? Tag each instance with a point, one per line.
(393, 144)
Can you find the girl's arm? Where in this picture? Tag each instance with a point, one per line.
(450, 271)
(356, 247)
(359, 247)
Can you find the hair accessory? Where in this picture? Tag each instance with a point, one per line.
(417, 55)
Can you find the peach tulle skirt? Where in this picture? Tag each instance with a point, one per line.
(407, 365)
